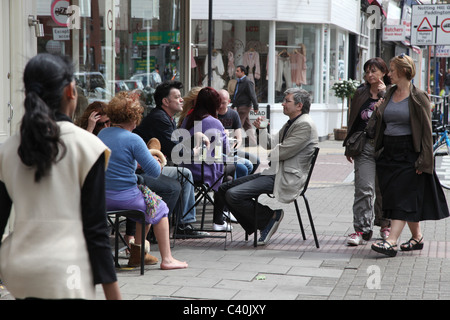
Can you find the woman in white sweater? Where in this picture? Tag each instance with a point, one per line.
(54, 174)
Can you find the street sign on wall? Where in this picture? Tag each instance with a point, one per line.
(430, 24)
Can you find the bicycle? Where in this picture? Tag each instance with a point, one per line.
(441, 153)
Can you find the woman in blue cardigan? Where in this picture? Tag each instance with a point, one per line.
(122, 191)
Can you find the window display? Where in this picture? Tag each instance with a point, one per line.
(234, 43)
(296, 66)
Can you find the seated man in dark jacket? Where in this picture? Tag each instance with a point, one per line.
(160, 124)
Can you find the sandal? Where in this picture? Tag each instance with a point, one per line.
(409, 245)
(385, 247)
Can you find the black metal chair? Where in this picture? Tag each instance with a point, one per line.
(202, 191)
(302, 194)
(134, 214)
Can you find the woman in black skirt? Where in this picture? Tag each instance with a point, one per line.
(410, 189)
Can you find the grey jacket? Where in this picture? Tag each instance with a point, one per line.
(290, 159)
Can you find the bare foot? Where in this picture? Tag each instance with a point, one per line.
(171, 264)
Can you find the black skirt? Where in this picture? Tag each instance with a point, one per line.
(406, 195)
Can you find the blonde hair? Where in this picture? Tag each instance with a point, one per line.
(405, 65)
(125, 107)
(188, 104)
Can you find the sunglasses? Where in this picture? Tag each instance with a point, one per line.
(102, 124)
(401, 56)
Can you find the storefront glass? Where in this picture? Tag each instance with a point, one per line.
(298, 52)
(116, 45)
(234, 43)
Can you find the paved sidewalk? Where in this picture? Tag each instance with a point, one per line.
(290, 268)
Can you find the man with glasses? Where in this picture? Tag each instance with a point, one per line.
(290, 156)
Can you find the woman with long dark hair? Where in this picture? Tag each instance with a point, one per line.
(54, 174)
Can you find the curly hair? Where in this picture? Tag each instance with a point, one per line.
(125, 107)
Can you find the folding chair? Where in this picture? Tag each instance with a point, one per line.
(202, 191)
(305, 187)
(135, 214)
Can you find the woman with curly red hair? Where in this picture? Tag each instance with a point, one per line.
(122, 190)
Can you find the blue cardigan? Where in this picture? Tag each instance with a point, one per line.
(127, 150)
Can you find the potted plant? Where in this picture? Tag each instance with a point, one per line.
(344, 89)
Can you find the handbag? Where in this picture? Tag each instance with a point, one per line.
(371, 126)
(355, 144)
(151, 199)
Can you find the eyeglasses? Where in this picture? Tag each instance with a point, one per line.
(286, 101)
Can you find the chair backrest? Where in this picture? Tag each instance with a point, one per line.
(311, 168)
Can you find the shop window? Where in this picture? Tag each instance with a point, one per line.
(234, 43)
(298, 54)
(116, 45)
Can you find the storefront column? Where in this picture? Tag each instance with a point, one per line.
(318, 61)
(271, 66)
(185, 45)
(324, 88)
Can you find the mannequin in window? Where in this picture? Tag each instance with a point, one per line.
(217, 69)
(298, 65)
(283, 70)
(251, 61)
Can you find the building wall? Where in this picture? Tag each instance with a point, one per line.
(344, 13)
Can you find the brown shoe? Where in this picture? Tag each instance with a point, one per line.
(135, 257)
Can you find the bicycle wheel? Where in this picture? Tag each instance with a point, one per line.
(442, 165)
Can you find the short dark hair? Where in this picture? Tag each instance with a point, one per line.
(380, 65)
(242, 68)
(163, 90)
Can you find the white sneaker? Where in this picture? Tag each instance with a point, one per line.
(222, 227)
(355, 239)
(229, 216)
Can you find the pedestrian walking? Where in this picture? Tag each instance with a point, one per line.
(411, 191)
(54, 173)
(243, 98)
(362, 108)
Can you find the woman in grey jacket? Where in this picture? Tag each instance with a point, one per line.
(411, 191)
(364, 204)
